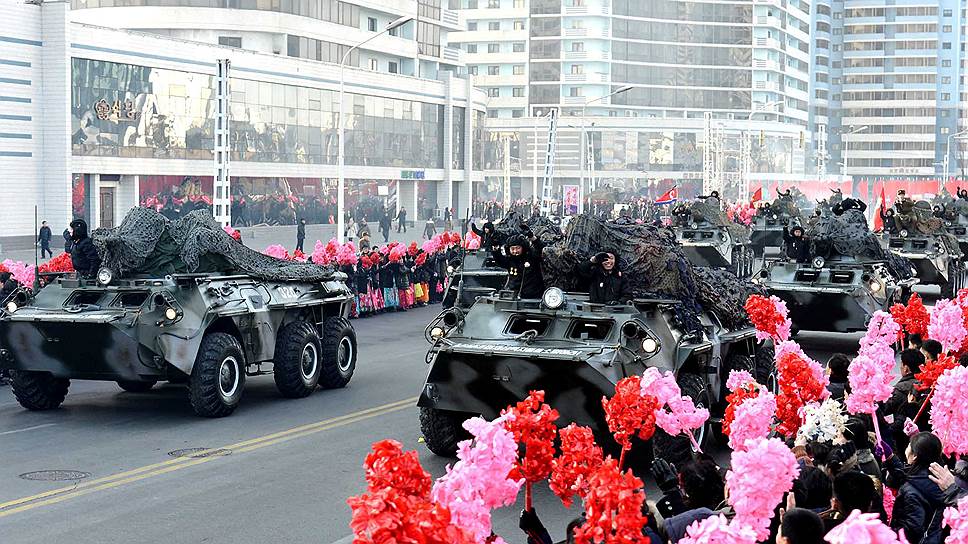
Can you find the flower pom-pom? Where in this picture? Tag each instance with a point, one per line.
(752, 420)
(532, 422)
(769, 316)
(949, 418)
(947, 325)
(861, 528)
(757, 481)
(580, 457)
(956, 519)
(717, 530)
(613, 507)
(628, 413)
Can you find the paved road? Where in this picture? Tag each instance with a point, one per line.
(290, 465)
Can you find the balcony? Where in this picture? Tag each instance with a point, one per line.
(584, 78)
(766, 65)
(585, 55)
(586, 10)
(451, 55)
(451, 18)
(766, 86)
(768, 42)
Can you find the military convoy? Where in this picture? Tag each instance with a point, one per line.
(770, 220)
(923, 239)
(709, 239)
(209, 330)
(470, 275)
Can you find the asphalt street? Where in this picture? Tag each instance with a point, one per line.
(281, 472)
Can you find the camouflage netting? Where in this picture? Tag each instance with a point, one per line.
(147, 243)
(542, 227)
(917, 217)
(710, 210)
(848, 235)
(784, 205)
(653, 265)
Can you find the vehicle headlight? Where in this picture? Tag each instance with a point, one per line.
(171, 314)
(553, 298)
(450, 269)
(12, 307)
(940, 249)
(104, 276)
(436, 332)
(694, 225)
(904, 233)
(818, 262)
(775, 216)
(875, 286)
(649, 345)
(724, 236)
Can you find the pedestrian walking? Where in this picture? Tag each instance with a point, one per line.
(301, 235)
(68, 242)
(385, 226)
(430, 229)
(43, 237)
(402, 219)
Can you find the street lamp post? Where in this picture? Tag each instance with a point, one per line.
(947, 153)
(340, 130)
(582, 150)
(748, 144)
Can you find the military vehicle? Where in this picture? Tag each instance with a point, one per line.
(922, 238)
(709, 239)
(470, 275)
(770, 220)
(492, 355)
(955, 217)
(208, 329)
(848, 278)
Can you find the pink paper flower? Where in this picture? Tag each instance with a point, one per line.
(957, 520)
(478, 482)
(881, 331)
(949, 418)
(870, 383)
(862, 529)
(21, 272)
(676, 413)
(277, 251)
(757, 481)
(752, 419)
(717, 530)
(661, 386)
(947, 325)
(738, 379)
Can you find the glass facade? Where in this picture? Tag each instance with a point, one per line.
(313, 49)
(458, 139)
(135, 111)
(480, 134)
(334, 11)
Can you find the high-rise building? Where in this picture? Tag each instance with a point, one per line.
(886, 85)
(744, 65)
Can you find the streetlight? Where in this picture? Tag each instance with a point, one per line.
(582, 144)
(340, 181)
(767, 106)
(851, 132)
(947, 152)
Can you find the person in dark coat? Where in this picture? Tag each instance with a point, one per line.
(84, 255)
(68, 242)
(521, 257)
(301, 234)
(919, 506)
(837, 370)
(7, 286)
(487, 235)
(385, 225)
(606, 283)
(797, 246)
(402, 219)
(44, 237)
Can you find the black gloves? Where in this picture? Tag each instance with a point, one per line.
(600, 257)
(531, 525)
(665, 475)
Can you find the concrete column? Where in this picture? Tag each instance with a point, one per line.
(465, 200)
(55, 122)
(95, 187)
(446, 187)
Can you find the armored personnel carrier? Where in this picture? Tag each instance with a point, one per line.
(770, 220)
(848, 277)
(711, 240)
(955, 217)
(180, 302)
(679, 318)
(922, 238)
(470, 275)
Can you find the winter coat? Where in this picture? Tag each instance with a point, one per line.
(524, 271)
(68, 243)
(918, 509)
(605, 287)
(899, 397)
(797, 248)
(84, 255)
(44, 236)
(301, 232)
(362, 278)
(386, 275)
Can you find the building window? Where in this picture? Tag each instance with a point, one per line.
(472, 48)
(946, 28)
(945, 80)
(517, 47)
(494, 25)
(945, 63)
(518, 92)
(493, 4)
(392, 67)
(494, 92)
(493, 48)
(518, 69)
(371, 24)
(946, 45)
(472, 25)
(947, 13)
(493, 70)
(519, 3)
(945, 96)
(574, 92)
(518, 24)
(374, 65)
(472, 70)
(577, 47)
(577, 69)
(230, 41)
(944, 130)
(517, 114)
(492, 113)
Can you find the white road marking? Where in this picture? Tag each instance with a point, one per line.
(25, 429)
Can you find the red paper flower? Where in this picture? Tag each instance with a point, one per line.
(734, 399)
(912, 318)
(389, 466)
(613, 507)
(580, 456)
(629, 413)
(532, 423)
(798, 386)
(769, 317)
(60, 263)
(932, 370)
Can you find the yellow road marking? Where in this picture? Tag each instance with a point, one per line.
(107, 482)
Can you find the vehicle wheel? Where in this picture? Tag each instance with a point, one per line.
(442, 430)
(339, 353)
(949, 289)
(296, 366)
(218, 377)
(38, 390)
(677, 449)
(136, 387)
(450, 298)
(737, 361)
(765, 361)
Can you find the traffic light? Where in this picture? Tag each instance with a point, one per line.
(803, 139)
(762, 137)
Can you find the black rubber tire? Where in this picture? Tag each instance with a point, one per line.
(296, 342)
(949, 289)
(442, 430)
(136, 387)
(205, 386)
(339, 344)
(677, 449)
(765, 373)
(38, 391)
